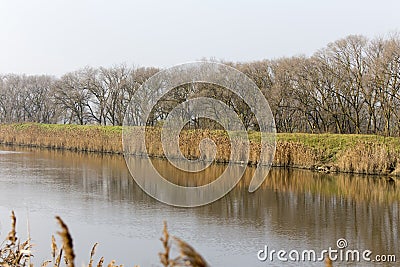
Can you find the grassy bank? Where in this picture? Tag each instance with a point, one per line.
(368, 154)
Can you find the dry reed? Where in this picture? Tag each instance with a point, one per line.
(67, 243)
(164, 256)
(101, 261)
(369, 158)
(92, 252)
(188, 255)
(15, 254)
(366, 154)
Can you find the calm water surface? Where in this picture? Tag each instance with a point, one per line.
(100, 202)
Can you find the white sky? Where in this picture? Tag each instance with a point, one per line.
(54, 37)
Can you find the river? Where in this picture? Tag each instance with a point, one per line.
(100, 202)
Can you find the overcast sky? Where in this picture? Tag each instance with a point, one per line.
(54, 37)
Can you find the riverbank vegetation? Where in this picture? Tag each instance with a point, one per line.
(367, 154)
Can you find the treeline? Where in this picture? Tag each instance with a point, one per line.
(86, 96)
(350, 86)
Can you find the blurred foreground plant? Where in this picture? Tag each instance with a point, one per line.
(13, 253)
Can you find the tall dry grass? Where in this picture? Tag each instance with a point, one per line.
(295, 154)
(369, 158)
(15, 254)
(367, 154)
(105, 139)
(12, 251)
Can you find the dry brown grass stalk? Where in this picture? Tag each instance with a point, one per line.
(188, 255)
(58, 259)
(12, 235)
(67, 243)
(13, 253)
(101, 261)
(164, 256)
(92, 252)
(53, 248)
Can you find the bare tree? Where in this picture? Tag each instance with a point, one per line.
(73, 95)
(350, 86)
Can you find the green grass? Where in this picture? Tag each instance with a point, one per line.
(332, 144)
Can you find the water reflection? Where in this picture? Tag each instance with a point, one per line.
(293, 209)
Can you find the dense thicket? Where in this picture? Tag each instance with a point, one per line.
(350, 86)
